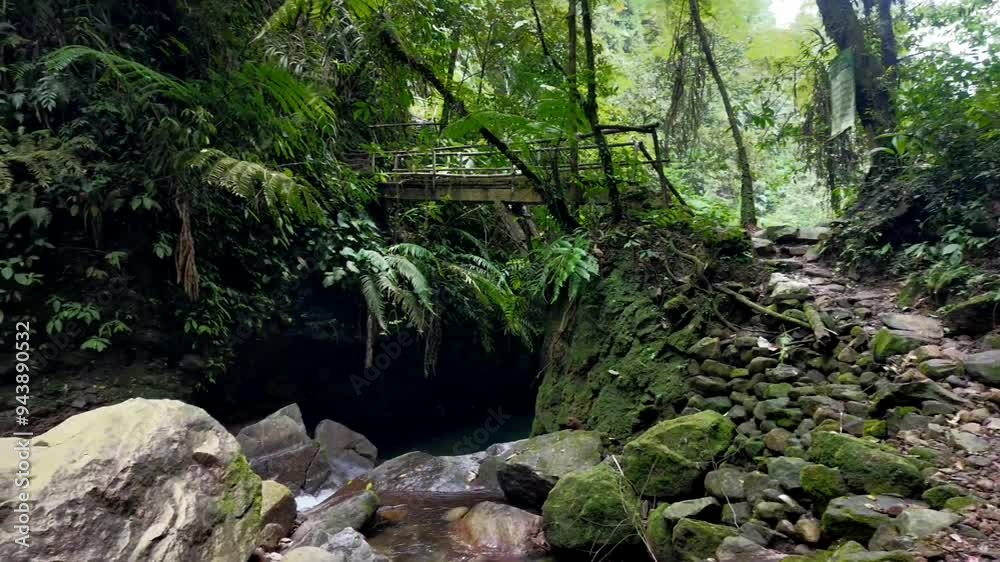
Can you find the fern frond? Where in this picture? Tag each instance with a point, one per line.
(373, 298)
(129, 71)
(412, 251)
(259, 184)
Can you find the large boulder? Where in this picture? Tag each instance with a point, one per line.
(279, 449)
(348, 453)
(422, 472)
(150, 480)
(591, 508)
(323, 522)
(672, 457)
(346, 546)
(984, 366)
(865, 466)
(501, 530)
(533, 466)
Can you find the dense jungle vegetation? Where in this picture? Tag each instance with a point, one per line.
(500, 280)
(186, 165)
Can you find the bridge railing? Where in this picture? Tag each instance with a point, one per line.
(481, 166)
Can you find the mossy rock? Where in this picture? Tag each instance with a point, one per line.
(887, 343)
(938, 495)
(962, 503)
(822, 484)
(875, 428)
(590, 508)
(865, 466)
(670, 459)
(972, 316)
(695, 541)
(659, 533)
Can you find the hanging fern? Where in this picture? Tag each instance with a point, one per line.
(44, 157)
(565, 265)
(391, 277)
(145, 80)
(258, 184)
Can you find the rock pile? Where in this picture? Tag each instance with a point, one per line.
(862, 434)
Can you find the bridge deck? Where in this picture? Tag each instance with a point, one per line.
(480, 174)
(474, 188)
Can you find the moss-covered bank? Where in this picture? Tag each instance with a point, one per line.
(612, 369)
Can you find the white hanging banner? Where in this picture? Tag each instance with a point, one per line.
(843, 110)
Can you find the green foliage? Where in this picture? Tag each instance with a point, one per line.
(565, 268)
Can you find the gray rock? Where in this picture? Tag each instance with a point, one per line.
(921, 325)
(813, 234)
(279, 449)
(702, 508)
(857, 517)
(348, 453)
(422, 472)
(140, 480)
(726, 484)
(502, 530)
(808, 529)
(308, 554)
(790, 290)
(787, 471)
(346, 546)
(769, 511)
(706, 348)
(984, 366)
(324, 522)
(940, 368)
(968, 441)
(741, 549)
(763, 246)
(761, 364)
(777, 440)
(533, 466)
(780, 233)
(782, 373)
(920, 522)
(277, 505)
(737, 513)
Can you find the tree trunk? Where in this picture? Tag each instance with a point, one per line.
(456, 36)
(748, 210)
(874, 104)
(831, 181)
(553, 200)
(590, 109)
(575, 194)
(890, 52)
(677, 90)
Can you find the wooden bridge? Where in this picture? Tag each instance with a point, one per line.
(479, 173)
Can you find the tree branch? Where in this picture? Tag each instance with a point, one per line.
(555, 203)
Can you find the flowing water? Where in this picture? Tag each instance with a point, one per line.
(425, 535)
